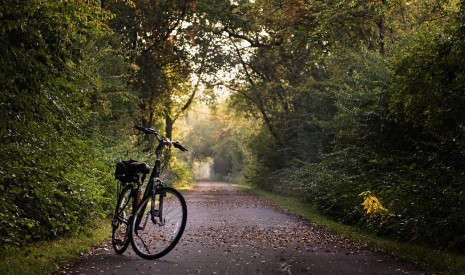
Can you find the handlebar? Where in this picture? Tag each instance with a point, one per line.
(151, 131)
(178, 145)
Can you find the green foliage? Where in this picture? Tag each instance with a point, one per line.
(161, 37)
(51, 256)
(218, 136)
(57, 90)
(179, 174)
(362, 97)
(428, 91)
(428, 95)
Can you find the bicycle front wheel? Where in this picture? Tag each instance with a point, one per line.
(159, 225)
(121, 221)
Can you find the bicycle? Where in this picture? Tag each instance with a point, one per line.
(153, 222)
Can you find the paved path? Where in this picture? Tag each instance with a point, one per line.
(232, 232)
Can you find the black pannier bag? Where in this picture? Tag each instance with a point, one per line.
(129, 170)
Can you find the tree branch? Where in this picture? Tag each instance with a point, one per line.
(169, 31)
(253, 42)
(258, 102)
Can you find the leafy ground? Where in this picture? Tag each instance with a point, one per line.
(233, 232)
(424, 256)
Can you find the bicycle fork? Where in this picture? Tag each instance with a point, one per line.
(158, 213)
(153, 212)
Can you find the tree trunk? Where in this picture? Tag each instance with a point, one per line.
(168, 126)
(382, 30)
(381, 36)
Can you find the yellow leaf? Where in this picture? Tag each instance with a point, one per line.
(372, 205)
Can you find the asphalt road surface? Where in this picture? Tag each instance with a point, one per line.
(232, 232)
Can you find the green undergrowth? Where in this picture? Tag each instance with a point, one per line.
(185, 188)
(47, 257)
(426, 257)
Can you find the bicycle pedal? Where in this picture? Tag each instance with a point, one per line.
(118, 242)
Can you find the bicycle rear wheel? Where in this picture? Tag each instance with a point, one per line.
(121, 221)
(160, 224)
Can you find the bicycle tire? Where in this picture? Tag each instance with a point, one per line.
(151, 237)
(121, 221)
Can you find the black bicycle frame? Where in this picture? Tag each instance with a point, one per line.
(154, 181)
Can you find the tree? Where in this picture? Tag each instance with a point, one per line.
(220, 136)
(160, 34)
(428, 97)
(364, 96)
(52, 164)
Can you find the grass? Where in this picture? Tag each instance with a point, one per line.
(428, 258)
(185, 188)
(48, 257)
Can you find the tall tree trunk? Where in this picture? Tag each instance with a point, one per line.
(381, 36)
(168, 126)
(382, 29)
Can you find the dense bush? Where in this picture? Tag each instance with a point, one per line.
(179, 174)
(55, 176)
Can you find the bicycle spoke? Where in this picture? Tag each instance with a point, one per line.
(158, 237)
(120, 224)
(143, 243)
